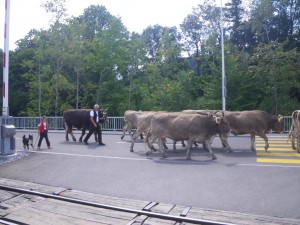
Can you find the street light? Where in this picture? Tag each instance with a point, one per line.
(223, 64)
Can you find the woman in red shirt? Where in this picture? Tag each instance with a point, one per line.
(43, 132)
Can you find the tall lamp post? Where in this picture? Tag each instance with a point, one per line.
(223, 64)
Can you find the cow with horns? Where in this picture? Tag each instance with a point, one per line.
(182, 126)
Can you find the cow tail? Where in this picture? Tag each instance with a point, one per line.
(65, 126)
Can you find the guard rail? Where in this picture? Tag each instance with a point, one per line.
(112, 124)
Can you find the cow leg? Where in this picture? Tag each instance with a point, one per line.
(189, 146)
(132, 143)
(208, 144)
(135, 136)
(183, 144)
(161, 143)
(204, 146)
(253, 142)
(292, 137)
(150, 140)
(298, 144)
(293, 134)
(124, 130)
(224, 140)
(73, 137)
(82, 134)
(164, 143)
(70, 131)
(67, 134)
(262, 135)
(293, 143)
(174, 146)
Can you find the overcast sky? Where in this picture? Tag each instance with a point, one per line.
(136, 15)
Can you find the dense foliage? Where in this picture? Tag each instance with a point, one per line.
(93, 58)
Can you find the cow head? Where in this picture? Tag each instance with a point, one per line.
(222, 125)
(104, 117)
(278, 124)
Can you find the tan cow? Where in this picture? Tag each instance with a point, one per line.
(208, 112)
(294, 133)
(181, 126)
(131, 121)
(253, 122)
(143, 126)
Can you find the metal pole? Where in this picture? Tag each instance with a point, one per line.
(5, 111)
(223, 65)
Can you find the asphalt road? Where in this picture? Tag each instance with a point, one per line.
(233, 182)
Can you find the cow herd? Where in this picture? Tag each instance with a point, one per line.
(192, 126)
(199, 126)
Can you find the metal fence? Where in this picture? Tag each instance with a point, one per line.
(113, 124)
(57, 123)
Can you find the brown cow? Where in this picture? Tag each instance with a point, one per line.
(253, 122)
(182, 126)
(79, 118)
(294, 133)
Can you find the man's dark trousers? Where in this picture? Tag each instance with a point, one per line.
(92, 130)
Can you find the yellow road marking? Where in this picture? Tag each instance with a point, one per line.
(278, 154)
(274, 145)
(268, 160)
(271, 138)
(279, 147)
(276, 149)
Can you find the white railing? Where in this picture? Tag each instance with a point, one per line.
(112, 124)
(57, 123)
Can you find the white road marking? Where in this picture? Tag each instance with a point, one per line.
(90, 156)
(183, 161)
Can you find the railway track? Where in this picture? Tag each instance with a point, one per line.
(136, 214)
(24, 203)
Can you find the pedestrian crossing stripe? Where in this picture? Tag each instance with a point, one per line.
(278, 154)
(276, 149)
(280, 151)
(269, 160)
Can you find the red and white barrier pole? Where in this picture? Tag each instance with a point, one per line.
(5, 111)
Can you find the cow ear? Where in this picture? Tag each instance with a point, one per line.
(280, 118)
(218, 120)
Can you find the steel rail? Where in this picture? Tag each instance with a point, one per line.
(116, 208)
(7, 222)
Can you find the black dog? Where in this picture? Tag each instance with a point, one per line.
(27, 141)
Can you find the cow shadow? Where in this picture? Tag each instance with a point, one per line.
(91, 145)
(199, 155)
(71, 143)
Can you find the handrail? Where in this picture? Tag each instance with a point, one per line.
(112, 124)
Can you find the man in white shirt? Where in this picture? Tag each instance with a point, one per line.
(95, 116)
